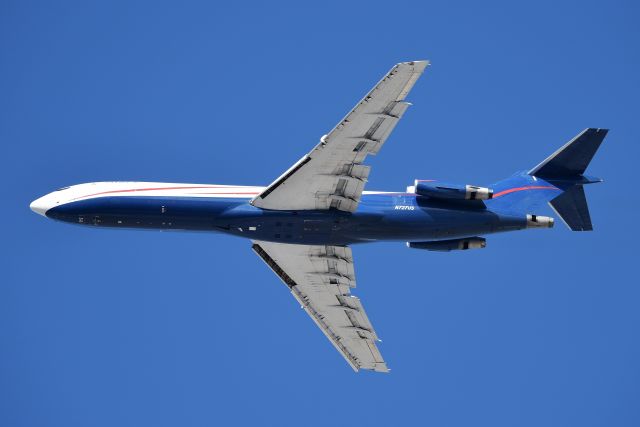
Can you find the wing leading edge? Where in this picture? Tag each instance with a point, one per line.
(320, 278)
(332, 175)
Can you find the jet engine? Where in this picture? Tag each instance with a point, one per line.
(450, 245)
(538, 221)
(443, 190)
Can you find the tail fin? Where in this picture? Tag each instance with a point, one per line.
(565, 170)
(572, 159)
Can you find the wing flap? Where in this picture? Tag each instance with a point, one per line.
(320, 278)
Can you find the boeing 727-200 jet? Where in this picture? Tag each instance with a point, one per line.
(301, 225)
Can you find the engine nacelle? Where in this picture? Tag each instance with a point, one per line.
(443, 190)
(450, 245)
(537, 221)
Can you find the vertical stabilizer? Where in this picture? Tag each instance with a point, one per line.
(572, 159)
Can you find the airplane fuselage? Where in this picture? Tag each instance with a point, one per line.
(394, 216)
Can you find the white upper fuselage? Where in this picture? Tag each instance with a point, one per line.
(151, 189)
(127, 188)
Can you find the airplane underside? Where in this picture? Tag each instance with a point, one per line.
(391, 217)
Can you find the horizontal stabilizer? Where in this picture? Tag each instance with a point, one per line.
(573, 158)
(572, 207)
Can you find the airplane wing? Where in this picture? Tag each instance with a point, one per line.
(320, 278)
(332, 174)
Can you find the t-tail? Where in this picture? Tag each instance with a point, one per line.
(558, 180)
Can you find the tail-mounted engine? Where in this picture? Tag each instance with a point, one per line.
(538, 221)
(450, 245)
(442, 190)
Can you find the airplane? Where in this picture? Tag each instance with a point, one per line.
(301, 225)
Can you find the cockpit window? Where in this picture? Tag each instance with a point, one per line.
(63, 188)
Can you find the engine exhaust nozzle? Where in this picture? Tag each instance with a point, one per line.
(537, 221)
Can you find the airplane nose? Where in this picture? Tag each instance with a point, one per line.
(40, 206)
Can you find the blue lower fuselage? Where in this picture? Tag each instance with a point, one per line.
(382, 216)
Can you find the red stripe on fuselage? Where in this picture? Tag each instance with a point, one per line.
(252, 193)
(529, 187)
(152, 189)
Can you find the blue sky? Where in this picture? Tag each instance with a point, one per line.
(103, 328)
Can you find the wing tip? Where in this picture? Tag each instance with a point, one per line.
(419, 65)
(374, 367)
(381, 367)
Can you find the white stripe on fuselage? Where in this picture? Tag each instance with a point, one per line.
(158, 189)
